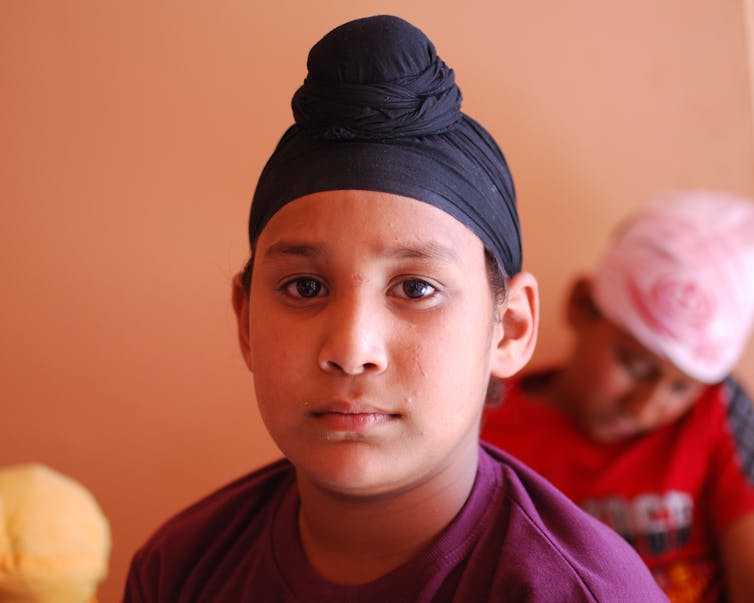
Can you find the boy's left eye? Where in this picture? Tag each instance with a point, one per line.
(415, 288)
(304, 287)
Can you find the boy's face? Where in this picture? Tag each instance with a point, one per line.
(618, 388)
(372, 337)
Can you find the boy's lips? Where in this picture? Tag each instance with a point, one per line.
(622, 427)
(351, 417)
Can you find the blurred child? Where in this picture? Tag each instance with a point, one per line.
(384, 289)
(643, 426)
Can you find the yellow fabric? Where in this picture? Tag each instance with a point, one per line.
(54, 538)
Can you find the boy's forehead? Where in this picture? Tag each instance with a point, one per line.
(400, 226)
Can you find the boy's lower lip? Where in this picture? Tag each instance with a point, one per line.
(353, 422)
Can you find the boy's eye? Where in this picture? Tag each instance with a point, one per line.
(637, 367)
(304, 287)
(415, 288)
(681, 387)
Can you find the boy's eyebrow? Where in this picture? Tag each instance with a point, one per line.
(286, 248)
(431, 250)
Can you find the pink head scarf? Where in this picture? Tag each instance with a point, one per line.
(679, 277)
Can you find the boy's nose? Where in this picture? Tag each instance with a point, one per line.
(353, 340)
(646, 401)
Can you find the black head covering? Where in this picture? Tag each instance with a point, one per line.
(380, 111)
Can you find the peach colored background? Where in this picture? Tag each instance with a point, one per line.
(132, 134)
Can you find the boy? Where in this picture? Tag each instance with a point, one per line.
(642, 426)
(375, 307)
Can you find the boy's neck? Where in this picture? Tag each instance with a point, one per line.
(354, 540)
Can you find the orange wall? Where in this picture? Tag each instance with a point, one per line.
(132, 135)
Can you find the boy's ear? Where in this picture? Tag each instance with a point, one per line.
(241, 308)
(517, 330)
(580, 308)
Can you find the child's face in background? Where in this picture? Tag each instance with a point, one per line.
(371, 335)
(618, 388)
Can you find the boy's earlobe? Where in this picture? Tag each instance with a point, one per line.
(241, 308)
(519, 318)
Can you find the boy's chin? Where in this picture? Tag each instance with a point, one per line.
(350, 473)
(612, 432)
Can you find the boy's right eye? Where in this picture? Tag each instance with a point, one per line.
(637, 366)
(304, 287)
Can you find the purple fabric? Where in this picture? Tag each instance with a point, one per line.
(516, 539)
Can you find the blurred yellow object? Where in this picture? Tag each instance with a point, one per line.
(54, 538)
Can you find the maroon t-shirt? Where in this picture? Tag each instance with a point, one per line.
(515, 539)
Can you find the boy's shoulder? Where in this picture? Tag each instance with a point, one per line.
(558, 540)
(215, 520)
(247, 495)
